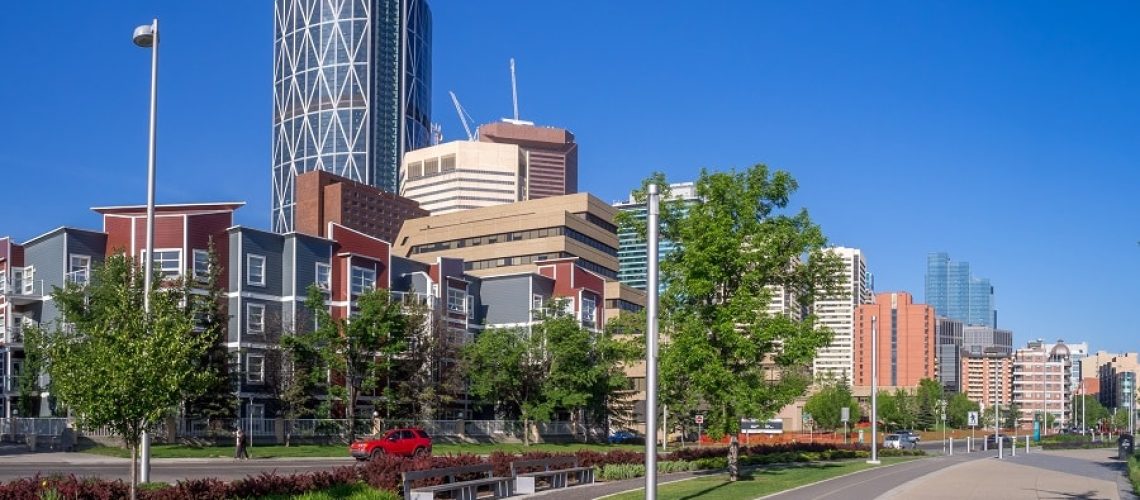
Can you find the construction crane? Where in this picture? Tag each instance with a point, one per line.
(514, 90)
(464, 118)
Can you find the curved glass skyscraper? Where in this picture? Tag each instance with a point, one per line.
(351, 91)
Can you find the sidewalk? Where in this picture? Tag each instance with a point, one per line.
(1041, 475)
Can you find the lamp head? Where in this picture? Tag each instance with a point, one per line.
(144, 36)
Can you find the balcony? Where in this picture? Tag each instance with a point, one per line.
(22, 292)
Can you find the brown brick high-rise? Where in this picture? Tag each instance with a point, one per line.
(552, 156)
(906, 341)
(323, 197)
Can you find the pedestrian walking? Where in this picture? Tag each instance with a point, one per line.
(239, 445)
(377, 424)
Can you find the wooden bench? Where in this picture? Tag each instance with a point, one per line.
(556, 470)
(499, 487)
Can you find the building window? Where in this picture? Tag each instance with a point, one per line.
(255, 368)
(536, 303)
(589, 313)
(255, 319)
(255, 270)
(568, 307)
(79, 269)
(456, 300)
(363, 280)
(201, 265)
(324, 276)
(167, 262)
(470, 307)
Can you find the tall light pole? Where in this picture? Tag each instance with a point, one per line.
(651, 205)
(874, 391)
(146, 36)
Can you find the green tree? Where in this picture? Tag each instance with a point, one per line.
(115, 366)
(622, 344)
(825, 406)
(897, 410)
(1120, 419)
(28, 399)
(360, 348)
(217, 401)
(1093, 412)
(507, 369)
(958, 408)
(426, 378)
(928, 401)
(735, 248)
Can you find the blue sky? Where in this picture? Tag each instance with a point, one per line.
(1005, 133)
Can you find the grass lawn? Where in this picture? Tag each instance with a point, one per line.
(309, 450)
(354, 492)
(757, 483)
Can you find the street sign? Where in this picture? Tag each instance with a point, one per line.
(972, 418)
(807, 417)
(845, 414)
(699, 419)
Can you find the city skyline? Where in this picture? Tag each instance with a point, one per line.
(1008, 134)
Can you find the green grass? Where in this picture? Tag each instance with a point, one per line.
(1134, 473)
(310, 451)
(758, 483)
(349, 492)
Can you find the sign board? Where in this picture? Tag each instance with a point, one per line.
(753, 426)
(845, 414)
(972, 418)
(807, 418)
(699, 419)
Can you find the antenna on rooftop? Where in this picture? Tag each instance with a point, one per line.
(514, 90)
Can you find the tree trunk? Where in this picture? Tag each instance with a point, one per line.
(733, 458)
(134, 470)
(526, 431)
(351, 413)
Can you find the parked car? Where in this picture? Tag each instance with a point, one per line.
(991, 440)
(626, 436)
(408, 442)
(910, 435)
(894, 441)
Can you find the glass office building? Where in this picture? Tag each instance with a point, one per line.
(633, 251)
(351, 92)
(956, 294)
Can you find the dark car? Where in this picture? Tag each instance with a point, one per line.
(400, 442)
(991, 440)
(626, 436)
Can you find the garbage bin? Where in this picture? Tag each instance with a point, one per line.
(1125, 446)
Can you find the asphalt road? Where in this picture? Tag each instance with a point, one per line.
(875, 482)
(169, 471)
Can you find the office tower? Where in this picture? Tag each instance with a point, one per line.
(462, 175)
(351, 92)
(980, 339)
(552, 155)
(323, 198)
(988, 378)
(517, 237)
(1041, 383)
(1112, 373)
(633, 253)
(837, 359)
(949, 354)
(956, 294)
(906, 341)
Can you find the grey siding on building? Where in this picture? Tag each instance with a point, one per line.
(87, 243)
(302, 268)
(270, 246)
(507, 299)
(402, 266)
(46, 255)
(234, 324)
(475, 289)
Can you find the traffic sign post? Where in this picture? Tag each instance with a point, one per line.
(845, 416)
(811, 430)
(700, 420)
(972, 419)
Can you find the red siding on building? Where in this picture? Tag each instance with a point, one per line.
(118, 231)
(201, 228)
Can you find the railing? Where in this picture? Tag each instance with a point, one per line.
(78, 277)
(21, 287)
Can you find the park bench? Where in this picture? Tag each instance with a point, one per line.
(499, 487)
(555, 470)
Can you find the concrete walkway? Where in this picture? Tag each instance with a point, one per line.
(1081, 474)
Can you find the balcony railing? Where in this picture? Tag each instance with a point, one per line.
(22, 287)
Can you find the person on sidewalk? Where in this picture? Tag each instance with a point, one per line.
(239, 445)
(377, 424)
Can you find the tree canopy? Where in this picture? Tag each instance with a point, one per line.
(826, 406)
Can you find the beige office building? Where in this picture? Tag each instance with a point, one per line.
(514, 237)
(463, 175)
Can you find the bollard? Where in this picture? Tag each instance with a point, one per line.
(1027, 444)
(1013, 447)
(985, 445)
(951, 446)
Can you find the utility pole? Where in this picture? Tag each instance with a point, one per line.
(874, 391)
(651, 340)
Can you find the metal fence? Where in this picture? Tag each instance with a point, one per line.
(315, 430)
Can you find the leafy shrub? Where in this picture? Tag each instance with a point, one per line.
(1134, 473)
(895, 452)
(710, 463)
(618, 472)
(670, 466)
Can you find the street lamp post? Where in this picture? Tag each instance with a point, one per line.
(874, 391)
(146, 36)
(651, 205)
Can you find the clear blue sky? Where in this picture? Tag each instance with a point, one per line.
(1004, 133)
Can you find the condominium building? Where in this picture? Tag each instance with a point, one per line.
(324, 198)
(1041, 383)
(633, 252)
(552, 155)
(837, 313)
(949, 353)
(513, 238)
(462, 175)
(906, 341)
(956, 294)
(351, 92)
(1091, 368)
(979, 339)
(1117, 377)
(987, 377)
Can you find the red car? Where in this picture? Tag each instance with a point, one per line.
(399, 442)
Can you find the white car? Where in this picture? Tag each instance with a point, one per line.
(893, 441)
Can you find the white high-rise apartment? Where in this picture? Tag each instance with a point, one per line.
(837, 313)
